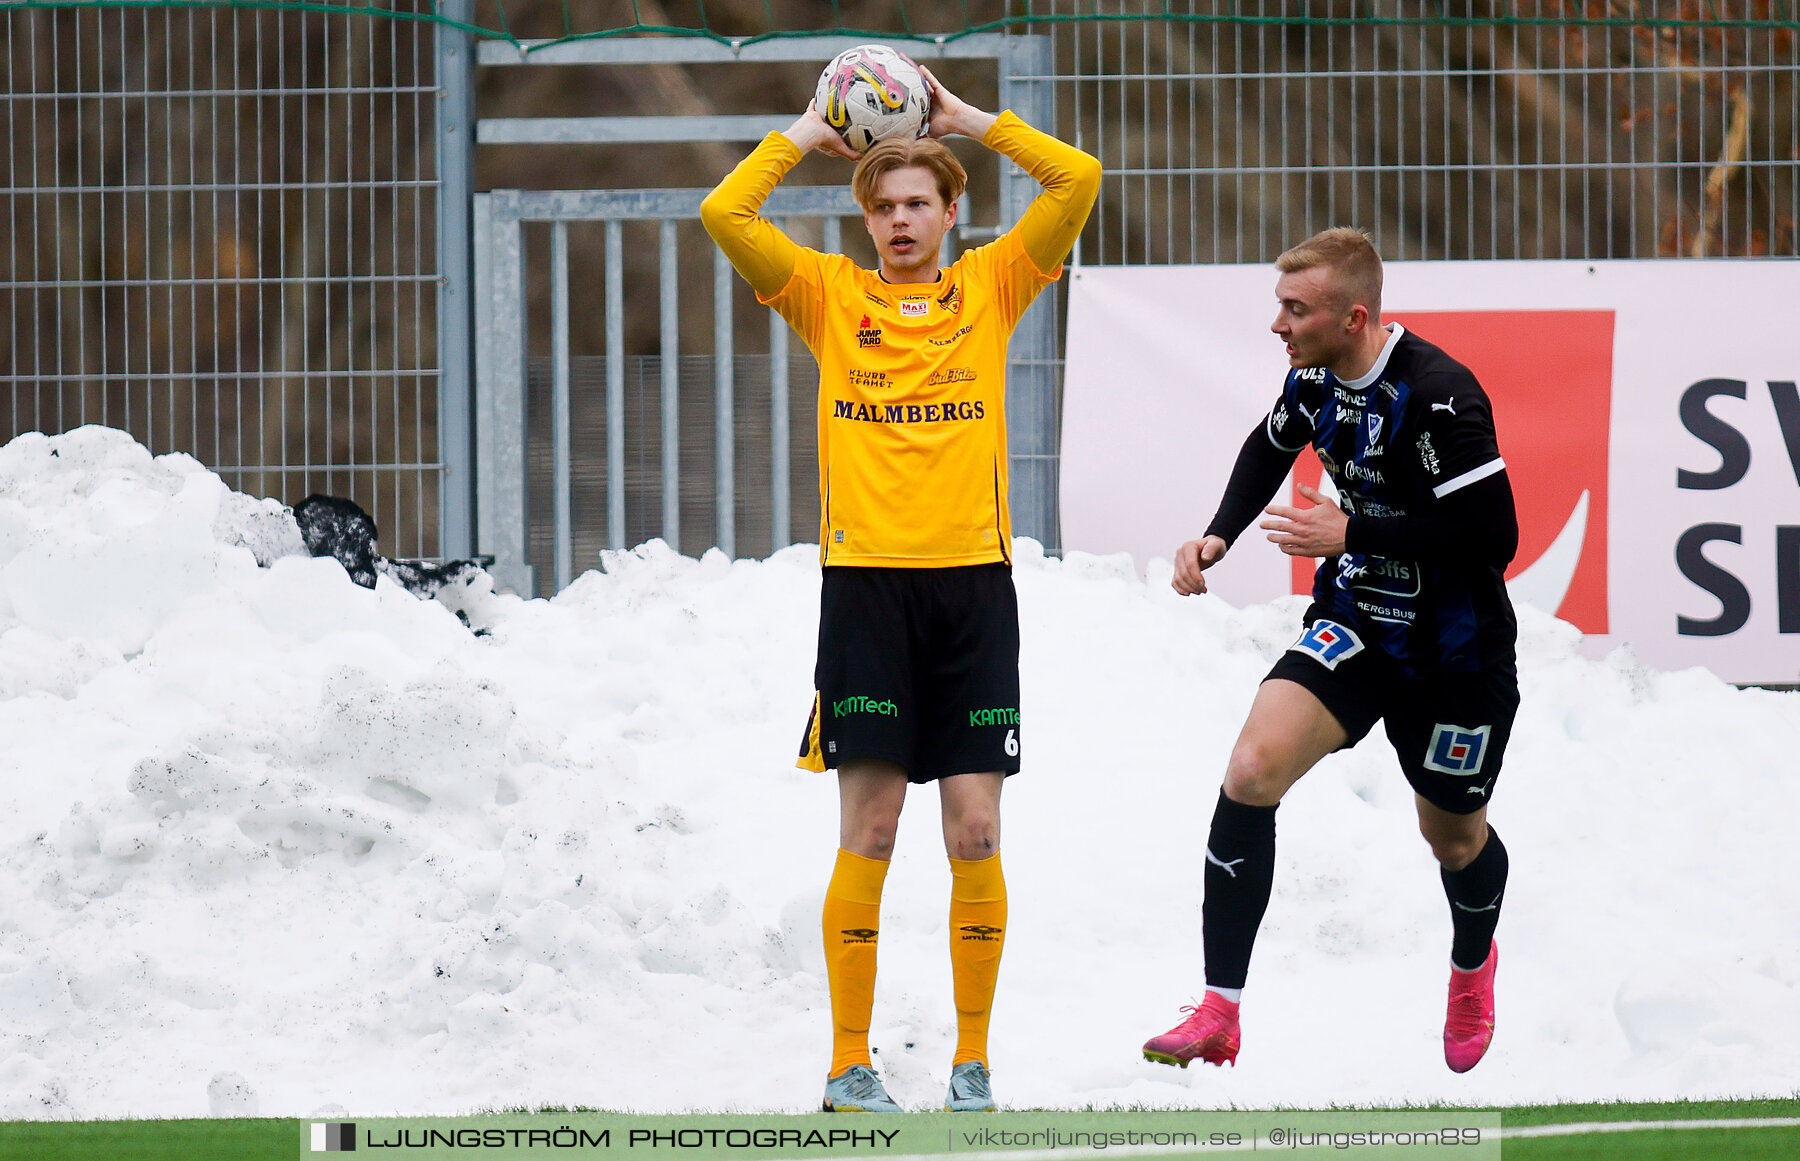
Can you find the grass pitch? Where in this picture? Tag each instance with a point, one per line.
(1580, 1132)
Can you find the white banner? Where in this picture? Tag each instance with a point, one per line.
(1647, 412)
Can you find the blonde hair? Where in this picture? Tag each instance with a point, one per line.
(927, 153)
(1351, 255)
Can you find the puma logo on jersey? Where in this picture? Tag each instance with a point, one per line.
(1229, 868)
(1480, 790)
(1449, 406)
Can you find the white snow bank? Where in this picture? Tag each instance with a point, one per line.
(274, 841)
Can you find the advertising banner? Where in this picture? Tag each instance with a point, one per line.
(1647, 412)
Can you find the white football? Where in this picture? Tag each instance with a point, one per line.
(873, 92)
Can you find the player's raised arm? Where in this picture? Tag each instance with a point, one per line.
(1071, 178)
(760, 252)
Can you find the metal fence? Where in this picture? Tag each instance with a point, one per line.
(750, 489)
(1450, 130)
(218, 231)
(222, 226)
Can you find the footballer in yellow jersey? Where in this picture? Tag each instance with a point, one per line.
(918, 666)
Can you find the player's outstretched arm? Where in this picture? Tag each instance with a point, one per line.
(760, 252)
(1071, 178)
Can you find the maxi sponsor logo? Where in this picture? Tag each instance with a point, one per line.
(953, 411)
(994, 717)
(859, 704)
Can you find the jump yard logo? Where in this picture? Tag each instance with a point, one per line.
(1457, 749)
(867, 333)
(1548, 374)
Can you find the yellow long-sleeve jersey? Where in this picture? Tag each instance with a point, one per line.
(912, 377)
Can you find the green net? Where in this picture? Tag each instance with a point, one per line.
(536, 24)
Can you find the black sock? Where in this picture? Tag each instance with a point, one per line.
(1475, 893)
(1240, 871)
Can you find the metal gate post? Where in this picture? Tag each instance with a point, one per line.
(455, 168)
(500, 390)
(1031, 421)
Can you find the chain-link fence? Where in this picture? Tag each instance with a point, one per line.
(221, 231)
(217, 232)
(1457, 130)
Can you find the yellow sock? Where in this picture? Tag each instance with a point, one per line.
(977, 933)
(851, 922)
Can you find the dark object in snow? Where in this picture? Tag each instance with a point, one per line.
(339, 528)
(335, 527)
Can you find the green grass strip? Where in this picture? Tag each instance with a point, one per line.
(260, 1139)
(1596, 1132)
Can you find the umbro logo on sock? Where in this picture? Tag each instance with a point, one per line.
(982, 932)
(1229, 868)
(860, 934)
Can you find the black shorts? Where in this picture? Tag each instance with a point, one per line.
(919, 667)
(1450, 729)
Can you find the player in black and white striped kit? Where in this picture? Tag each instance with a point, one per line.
(1410, 623)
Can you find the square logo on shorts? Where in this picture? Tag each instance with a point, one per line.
(1456, 750)
(1328, 642)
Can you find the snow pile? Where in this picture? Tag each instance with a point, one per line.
(276, 842)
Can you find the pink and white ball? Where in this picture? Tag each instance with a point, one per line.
(872, 92)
